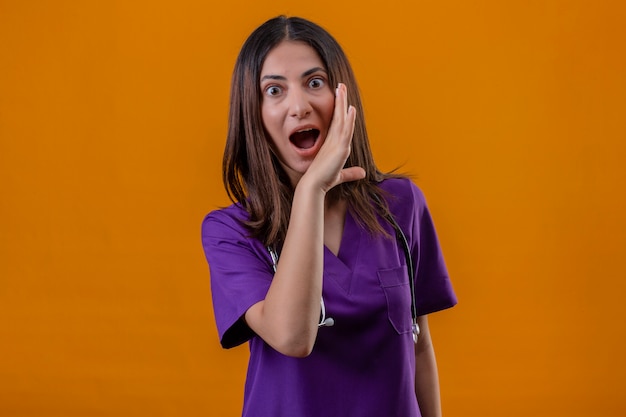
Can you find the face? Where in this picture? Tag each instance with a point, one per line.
(297, 105)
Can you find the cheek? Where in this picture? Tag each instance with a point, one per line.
(272, 126)
(328, 107)
(271, 118)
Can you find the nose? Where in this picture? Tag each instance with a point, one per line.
(299, 104)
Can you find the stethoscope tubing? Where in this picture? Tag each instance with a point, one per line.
(401, 237)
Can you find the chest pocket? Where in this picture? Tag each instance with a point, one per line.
(395, 284)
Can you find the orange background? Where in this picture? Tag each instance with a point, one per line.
(511, 115)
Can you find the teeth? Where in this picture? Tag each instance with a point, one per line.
(305, 130)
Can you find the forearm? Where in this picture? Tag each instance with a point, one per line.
(288, 317)
(426, 374)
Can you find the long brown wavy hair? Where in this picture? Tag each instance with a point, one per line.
(252, 174)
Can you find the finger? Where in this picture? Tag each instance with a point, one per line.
(341, 99)
(351, 174)
(349, 122)
(340, 110)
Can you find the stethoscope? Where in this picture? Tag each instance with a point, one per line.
(324, 321)
(329, 321)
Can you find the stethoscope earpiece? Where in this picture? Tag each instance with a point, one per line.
(327, 323)
(416, 330)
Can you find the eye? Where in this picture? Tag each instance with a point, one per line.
(273, 90)
(316, 83)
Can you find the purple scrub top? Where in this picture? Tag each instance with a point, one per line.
(362, 366)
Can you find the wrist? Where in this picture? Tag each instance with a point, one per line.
(306, 186)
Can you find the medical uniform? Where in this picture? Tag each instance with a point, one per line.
(362, 366)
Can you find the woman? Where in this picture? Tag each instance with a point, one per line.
(305, 265)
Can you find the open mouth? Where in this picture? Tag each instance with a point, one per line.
(305, 138)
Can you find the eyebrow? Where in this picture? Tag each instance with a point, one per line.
(304, 74)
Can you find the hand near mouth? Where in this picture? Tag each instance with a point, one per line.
(327, 169)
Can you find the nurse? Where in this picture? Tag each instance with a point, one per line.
(305, 265)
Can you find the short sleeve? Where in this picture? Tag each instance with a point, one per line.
(240, 272)
(433, 289)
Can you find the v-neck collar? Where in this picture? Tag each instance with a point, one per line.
(341, 267)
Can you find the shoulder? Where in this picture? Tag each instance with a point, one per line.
(403, 195)
(230, 219)
(227, 239)
(401, 187)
